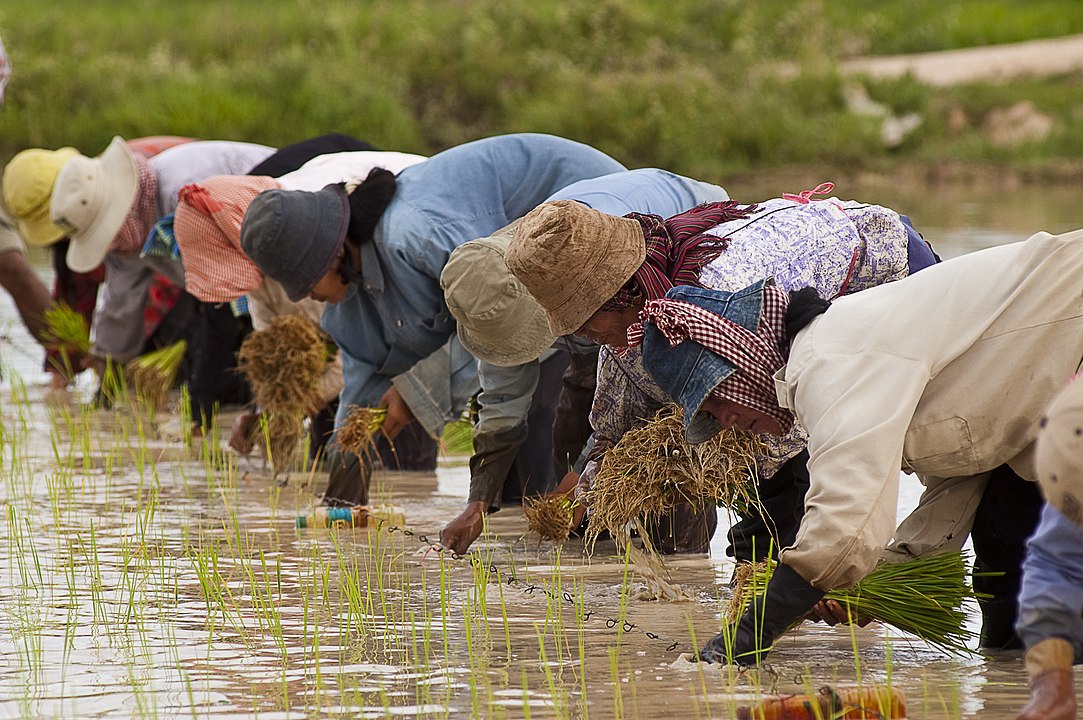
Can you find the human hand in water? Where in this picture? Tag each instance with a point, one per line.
(461, 532)
(399, 414)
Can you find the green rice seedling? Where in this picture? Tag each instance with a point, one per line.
(458, 437)
(66, 332)
(925, 597)
(153, 373)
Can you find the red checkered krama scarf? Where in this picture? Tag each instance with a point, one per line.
(143, 213)
(207, 225)
(677, 249)
(757, 356)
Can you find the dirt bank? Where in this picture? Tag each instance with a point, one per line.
(1036, 58)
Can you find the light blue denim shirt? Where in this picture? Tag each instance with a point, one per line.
(1051, 596)
(396, 315)
(506, 392)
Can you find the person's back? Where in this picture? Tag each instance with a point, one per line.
(461, 194)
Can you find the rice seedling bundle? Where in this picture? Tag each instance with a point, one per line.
(153, 373)
(357, 433)
(549, 517)
(652, 469)
(66, 329)
(458, 437)
(284, 431)
(284, 363)
(67, 333)
(926, 597)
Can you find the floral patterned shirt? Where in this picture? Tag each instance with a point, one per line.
(837, 247)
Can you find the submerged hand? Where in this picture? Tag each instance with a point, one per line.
(399, 414)
(567, 487)
(461, 532)
(240, 437)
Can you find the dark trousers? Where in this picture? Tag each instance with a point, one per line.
(1007, 516)
(411, 450)
(537, 467)
(213, 377)
(773, 521)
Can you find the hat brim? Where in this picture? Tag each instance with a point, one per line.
(40, 231)
(526, 343)
(613, 267)
(89, 245)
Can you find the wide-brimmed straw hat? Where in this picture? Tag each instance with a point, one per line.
(91, 198)
(1059, 454)
(295, 236)
(499, 321)
(688, 372)
(28, 188)
(573, 259)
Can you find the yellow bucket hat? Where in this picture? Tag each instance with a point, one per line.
(28, 189)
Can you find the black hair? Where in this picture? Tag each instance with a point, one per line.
(367, 204)
(805, 305)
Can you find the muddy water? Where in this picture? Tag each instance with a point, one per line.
(147, 579)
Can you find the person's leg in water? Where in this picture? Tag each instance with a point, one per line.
(1006, 518)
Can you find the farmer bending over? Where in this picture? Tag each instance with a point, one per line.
(908, 375)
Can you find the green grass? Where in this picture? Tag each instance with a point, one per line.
(690, 85)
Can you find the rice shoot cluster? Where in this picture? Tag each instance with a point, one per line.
(926, 597)
(153, 373)
(652, 469)
(67, 333)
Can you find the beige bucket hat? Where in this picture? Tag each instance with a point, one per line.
(499, 321)
(91, 198)
(1059, 457)
(572, 259)
(28, 188)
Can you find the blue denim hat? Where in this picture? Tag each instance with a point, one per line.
(689, 372)
(295, 236)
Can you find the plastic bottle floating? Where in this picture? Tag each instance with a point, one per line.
(881, 703)
(356, 516)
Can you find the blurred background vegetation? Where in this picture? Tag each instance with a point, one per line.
(708, 88)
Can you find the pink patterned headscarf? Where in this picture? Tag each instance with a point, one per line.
(207, 225)
(143, 213)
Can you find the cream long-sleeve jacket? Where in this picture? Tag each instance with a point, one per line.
(944, 374)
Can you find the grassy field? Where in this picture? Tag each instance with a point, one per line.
(691, 85)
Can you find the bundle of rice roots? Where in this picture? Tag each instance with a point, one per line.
(284, 363)
(653, 469)
(284, 432)
(358, 432)
(153, 374)
(549, 517)
(926, 597)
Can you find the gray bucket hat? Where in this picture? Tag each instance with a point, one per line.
(499, 321)
(295, 236)
(573, 259)
(688, 372)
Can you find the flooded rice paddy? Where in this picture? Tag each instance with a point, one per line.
(144, 577)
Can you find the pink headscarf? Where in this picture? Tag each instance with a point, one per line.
(207, 225)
